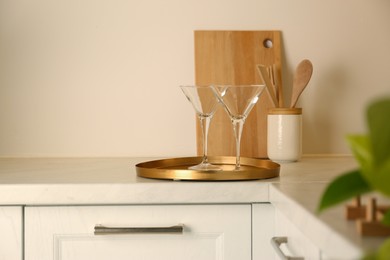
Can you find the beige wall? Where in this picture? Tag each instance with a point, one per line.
(100, 78)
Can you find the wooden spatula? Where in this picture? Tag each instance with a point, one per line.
(271, 91)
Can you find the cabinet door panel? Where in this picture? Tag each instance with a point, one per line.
(298, 244)
(210, 232)
(263, 230)
(11, 233)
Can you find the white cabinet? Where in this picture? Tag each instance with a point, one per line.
(297, 244)
(11, 233)
(263, 230)
(67, 232)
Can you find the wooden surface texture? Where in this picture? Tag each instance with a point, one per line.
(230, 57)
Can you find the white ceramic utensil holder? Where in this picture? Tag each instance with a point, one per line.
(284, 134)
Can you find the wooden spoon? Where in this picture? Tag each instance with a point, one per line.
(301, 78)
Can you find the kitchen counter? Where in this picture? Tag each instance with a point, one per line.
(42, 181)
(329, 230)
(111, 181)
(80, 181)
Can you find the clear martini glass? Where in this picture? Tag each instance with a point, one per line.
(238, 101)
(205, 104)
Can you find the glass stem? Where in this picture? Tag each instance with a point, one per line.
(237, 127)
(204, 125)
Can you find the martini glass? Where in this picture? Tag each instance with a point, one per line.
(205, 103)
(238, 101)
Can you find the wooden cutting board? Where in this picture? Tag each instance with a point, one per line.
(230, 57)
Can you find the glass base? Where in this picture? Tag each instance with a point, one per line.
(205, 167)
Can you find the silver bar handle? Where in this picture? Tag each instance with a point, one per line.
(276, 242)
(104, 230)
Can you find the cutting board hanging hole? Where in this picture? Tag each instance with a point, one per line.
(268, 43)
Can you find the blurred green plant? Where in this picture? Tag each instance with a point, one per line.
(372, 151)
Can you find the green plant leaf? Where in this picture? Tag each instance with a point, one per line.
(378, 119)
(343, 188)
(384, 251)
(373, 151)
(370, 256)
(381, 178)
(386, 218)
(361, 149)
(373, 155)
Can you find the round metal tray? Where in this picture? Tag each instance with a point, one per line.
(177, 169)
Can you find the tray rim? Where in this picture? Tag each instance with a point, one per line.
(262, 169)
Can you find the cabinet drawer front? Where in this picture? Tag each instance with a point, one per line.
(210, 232)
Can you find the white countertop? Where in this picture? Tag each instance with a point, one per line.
(41, 181)
(110, 181)
(80, 181)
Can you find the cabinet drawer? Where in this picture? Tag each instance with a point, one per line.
(210, 232)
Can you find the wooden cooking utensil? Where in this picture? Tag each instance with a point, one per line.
(301, 78)
(271, 75)
(230, 58)
(278, 79)
(270, 87)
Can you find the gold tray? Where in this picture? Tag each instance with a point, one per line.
(177, 169)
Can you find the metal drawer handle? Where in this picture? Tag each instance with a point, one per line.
(103, 230)
(277, 242)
